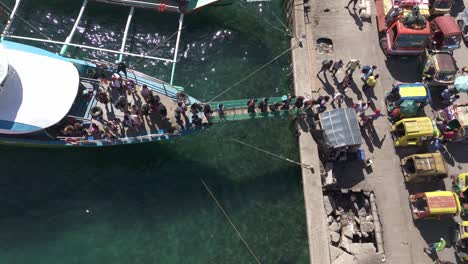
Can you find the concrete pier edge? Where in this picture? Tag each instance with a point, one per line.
(302, 61)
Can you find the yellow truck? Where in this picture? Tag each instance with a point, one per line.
(414, 131)
(424, 167)
(461, 241)
(435, 204)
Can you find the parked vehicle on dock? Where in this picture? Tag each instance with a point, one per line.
(414, 131)
(434, 205)
(456, 117)
(409, 97)
(439, 7)
(460, 184)
(404, 29)
(440, 68)
(446, 35)
(461, 241)
(426, 167)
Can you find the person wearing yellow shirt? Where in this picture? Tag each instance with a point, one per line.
(371, 82)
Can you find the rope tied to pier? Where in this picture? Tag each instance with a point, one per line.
(230, 222)
(298, 44)
(306, 166)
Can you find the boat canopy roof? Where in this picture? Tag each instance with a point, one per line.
(447, 25)
(38, 90)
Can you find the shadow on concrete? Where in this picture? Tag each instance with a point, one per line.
(327, 86)
(357, 19)
(302, 123)
(432, 230)
(406, 151)
(448, 157)
(371, 138)
(348, 173)
(405, 69)
(414, 188)
(355, 89)
(458, 151)
(367, 140)
(436, 99)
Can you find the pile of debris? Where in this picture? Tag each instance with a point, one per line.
(354, 227)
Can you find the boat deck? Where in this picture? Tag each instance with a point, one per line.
(153, 124)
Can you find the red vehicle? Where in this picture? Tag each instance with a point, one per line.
(403, 30)
(446, 35)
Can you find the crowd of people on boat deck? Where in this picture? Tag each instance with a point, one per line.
(135, 115)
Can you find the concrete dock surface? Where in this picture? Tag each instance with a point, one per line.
(404, 240)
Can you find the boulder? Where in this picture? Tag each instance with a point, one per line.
(362, 248)
(344, 258)
(348, 231)
(345, 243)
(339, 211)
(367, 227)
(373, 258)
(334, 227)
(335, 253)
(362, 212)
(334, 237)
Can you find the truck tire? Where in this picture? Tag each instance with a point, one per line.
(383, 45)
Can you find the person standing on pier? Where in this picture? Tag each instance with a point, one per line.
(326, 64)
(352, 65)
(338, 98)
(336, 66)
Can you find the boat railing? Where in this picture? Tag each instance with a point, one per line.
(141, 4)
(155, 84)
(83, 140)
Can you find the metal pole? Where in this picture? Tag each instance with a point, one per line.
(181, 22)
(78, 19)
(12, 17)
(124, 40)
(87, 47)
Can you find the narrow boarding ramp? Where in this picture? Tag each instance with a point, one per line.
(236, 110)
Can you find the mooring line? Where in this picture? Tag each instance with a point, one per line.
(257, 70)
(229, 220)
(273, 154)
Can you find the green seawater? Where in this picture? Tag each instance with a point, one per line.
(146, 203)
